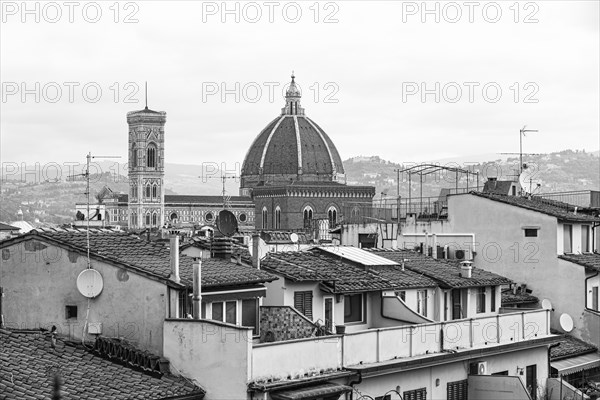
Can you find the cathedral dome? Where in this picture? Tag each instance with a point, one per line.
(291, 148)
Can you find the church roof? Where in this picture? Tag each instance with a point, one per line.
(292, 147)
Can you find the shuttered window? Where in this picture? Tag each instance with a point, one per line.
(456, 390)
(417, 394)
(303, 303)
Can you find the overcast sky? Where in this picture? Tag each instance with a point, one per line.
(362, 66)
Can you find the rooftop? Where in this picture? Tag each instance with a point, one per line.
(570, 347)
(147, 257)
(446, 272)
(28, 364)
(6, 227)
(510, 299)
(560, 210)
(338, 275)
(590, 261)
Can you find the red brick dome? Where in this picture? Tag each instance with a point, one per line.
(291, 148)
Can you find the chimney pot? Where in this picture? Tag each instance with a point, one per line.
(174, 251)
(466, 268)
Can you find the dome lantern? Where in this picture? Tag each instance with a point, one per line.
(292, 100)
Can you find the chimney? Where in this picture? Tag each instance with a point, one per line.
(222, 248)
(174, 247)
(255, 251)
(197, 295)
(466, 269)
(402, 265)
(434, 246)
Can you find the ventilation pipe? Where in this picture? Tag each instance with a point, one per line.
(255, 251)
(466, 269)
(434, 246)
(197, 295)
(174, 247)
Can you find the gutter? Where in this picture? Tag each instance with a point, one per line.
(549, 358)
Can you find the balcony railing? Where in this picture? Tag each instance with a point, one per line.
(284, 360)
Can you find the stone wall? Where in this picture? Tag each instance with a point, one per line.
(279, 323)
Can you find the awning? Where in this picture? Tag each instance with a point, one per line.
(312, 392)
(576, 364)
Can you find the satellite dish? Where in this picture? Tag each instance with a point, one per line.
(227, 223)
(566, 322)
(294, 237)
(263, 248)
(90, 283)
(529, 183)
(546, 304)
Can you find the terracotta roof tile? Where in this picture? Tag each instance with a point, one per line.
(28, 364)
(150, 257)
(560, 210)
(590, 261)
(446, 272)
(341, 276)
(570, 347)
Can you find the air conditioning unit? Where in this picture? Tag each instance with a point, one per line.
(479, 368)
(460, 254)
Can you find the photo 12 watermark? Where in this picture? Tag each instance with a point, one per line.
(453, 12)
(70, 92)
(469, 92)
(53, 12)
(270, 12)
(271, 92)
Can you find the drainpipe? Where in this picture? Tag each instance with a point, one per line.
(549, 364)
(197, 296)
(434, 246)
(352, 383)
(255, 250)
(174, 246)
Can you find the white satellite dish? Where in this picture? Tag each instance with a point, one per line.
(529, 183)
(90, 283)
(263, 248)
(566, 322)
(294, 237)
(546, 304)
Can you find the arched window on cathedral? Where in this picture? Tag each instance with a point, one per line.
(151, 156)
(307, 215)
(264, 218)
(332, 216)
(133, 219)
(134, 155)
(148, 191)
(147, 219)
(154, 219)
(155, 191)
(277, 218)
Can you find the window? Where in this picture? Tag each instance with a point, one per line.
(307, 216)
(151, 159)
(277, 218)
(217, 311)
(242, 217)
(401, 294)
(231, 312)
(481, 299)
(567, 238)
(264, 218)
(354, 308)
(71, 312)
(585, 238)
(250, 314)
(155, 191)
(493, 299)
(148, 191)
(134, 156)
(173, 216)
(332, 215)
(147, 218)
(154, 219)
(531, 232)
(501, 373)
(208, 217)
(303, 303)
(422, 302)
(417, 394)
(456, 390)
(595, 305)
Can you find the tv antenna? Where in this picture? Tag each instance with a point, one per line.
(86, 174)
(522, 133)
(223, 179)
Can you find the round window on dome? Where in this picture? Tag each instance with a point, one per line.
(208, 217)
(242, 217)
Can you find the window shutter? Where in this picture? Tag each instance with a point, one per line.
(308, 305)
(299, 301)
(457, 390)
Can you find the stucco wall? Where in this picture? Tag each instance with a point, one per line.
(38, 285)
(456, 371)
(214, 355)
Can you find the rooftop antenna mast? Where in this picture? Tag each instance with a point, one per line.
(522, 132)
(86, 174)
(223, 179)
(146, 93)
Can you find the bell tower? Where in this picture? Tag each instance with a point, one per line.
(146, 168)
